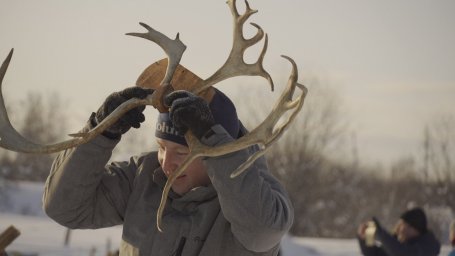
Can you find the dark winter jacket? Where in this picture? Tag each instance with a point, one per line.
(423, 245)
(247, 215)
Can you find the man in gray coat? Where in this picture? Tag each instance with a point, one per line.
(207, 212)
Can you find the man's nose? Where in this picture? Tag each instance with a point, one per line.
(169, 163)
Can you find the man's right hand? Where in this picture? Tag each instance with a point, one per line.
(361, 230)
(188, 111)
(132, 118)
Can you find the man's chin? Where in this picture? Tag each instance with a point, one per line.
(180, 187)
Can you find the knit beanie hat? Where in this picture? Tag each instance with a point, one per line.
(416, 218)
(223, 111)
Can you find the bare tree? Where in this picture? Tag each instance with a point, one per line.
(438, 166)
(438, 147)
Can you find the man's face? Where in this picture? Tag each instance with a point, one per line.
(171, 156)
(405, 232)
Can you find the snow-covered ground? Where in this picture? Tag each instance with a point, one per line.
(42, 236)
(45, 237)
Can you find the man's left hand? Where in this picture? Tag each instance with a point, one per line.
(189, 112)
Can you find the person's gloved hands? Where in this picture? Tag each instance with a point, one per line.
(132, 118)
(188, 111)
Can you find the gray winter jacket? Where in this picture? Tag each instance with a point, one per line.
(247, 215)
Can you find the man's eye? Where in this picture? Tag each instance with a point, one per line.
(182, 153)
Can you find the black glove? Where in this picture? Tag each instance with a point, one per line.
(377, 223)
(188, 111)
(132, 118)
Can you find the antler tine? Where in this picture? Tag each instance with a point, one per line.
(264, 135)
(12, 140)
(9, 137)
(174, 50)
(235, 64)
(268, 128)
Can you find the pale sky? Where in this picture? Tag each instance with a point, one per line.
(392, 62)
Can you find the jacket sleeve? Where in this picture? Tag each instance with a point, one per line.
(370, 251)
(394, 248)
(82, 191)
(255, 203)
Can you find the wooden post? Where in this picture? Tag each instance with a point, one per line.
(67, 237)
(7, 237)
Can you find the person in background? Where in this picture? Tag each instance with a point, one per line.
(452, 238)
(410, 237)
